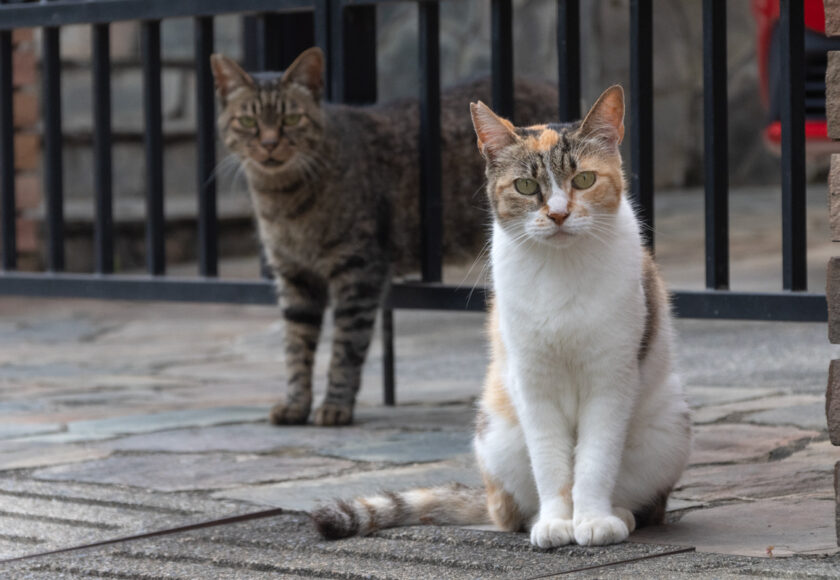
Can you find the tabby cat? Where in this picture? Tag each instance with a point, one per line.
(335, 190)
(583, 427)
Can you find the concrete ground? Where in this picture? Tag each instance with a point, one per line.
(118, 419)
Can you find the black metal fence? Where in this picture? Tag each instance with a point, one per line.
(345, 30)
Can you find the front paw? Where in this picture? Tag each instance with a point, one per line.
(600, 531)
(292, 413)
(550, 532)
(333, 415)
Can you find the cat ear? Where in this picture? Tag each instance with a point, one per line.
(228, 75)
(307, 70)
(606, 117)
(494, 133)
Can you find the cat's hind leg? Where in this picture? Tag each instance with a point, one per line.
(303, 298)
(512, 499)
(655, 454)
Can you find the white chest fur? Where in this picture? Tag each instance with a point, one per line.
(580, 301)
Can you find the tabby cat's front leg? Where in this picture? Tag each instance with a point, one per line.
(303, 298)
(356, 295)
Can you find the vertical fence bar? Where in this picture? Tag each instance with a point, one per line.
(715, 137)
(267, 41)
(7, 153)
(53, 168)
(501, 56)
(250, 42)
(335, 57)
(150, 52)
(792, 101)
(359, 51)
(430, 163)
(568, 58)
(321, 33)
(389, 395)
(641, 113)
(294, 32)
(352, 71)
(206, 159)
(102, 160)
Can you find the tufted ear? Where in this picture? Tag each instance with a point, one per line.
(606, 117)
(307, 70)
(228, 76)
(494, 133)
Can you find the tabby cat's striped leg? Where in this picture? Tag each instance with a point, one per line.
(356, 303)
(303, 298)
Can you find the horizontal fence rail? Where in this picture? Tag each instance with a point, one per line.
(345, 30)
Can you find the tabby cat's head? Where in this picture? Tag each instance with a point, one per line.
(271, 121)
(554, 183)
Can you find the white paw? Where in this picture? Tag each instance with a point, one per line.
(550, 532)
(626, 516)
(600, 531)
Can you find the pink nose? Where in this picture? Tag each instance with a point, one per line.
(269, 144)
(558, 217)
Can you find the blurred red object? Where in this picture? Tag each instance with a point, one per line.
(766, 13)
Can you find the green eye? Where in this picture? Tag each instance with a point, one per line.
(584, 180)
(526, 186)
(248, 122)
(292, 119)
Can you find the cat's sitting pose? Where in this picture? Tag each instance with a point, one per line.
(583, 428)
(335, 191)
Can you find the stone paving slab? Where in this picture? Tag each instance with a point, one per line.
(805, 472)
(12, 430)
(407, 447)
(744, 410)
(92, 430)
(781, 356)
(808, 416)
(701, 396)
(191, 472)
(797, 525)
(731, 443)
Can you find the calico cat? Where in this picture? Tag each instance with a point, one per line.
(335, 191)
(583, 427)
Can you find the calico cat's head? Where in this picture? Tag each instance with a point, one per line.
(271, 121)
(554, 183)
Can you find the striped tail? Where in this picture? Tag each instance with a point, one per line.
(449, 504)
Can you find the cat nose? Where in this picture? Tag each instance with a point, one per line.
(269, 143)
(558, 217)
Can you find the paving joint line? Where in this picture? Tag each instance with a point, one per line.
(165, 532)
(620, 562)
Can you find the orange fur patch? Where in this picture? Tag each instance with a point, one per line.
(502, 507)
(495, 398)
(565, 492)
(546, 140)
(606, 193)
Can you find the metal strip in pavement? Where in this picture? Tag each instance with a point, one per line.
(598, 566)
(165, 532)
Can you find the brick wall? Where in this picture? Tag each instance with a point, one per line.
(832, 104)
(27, 115)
